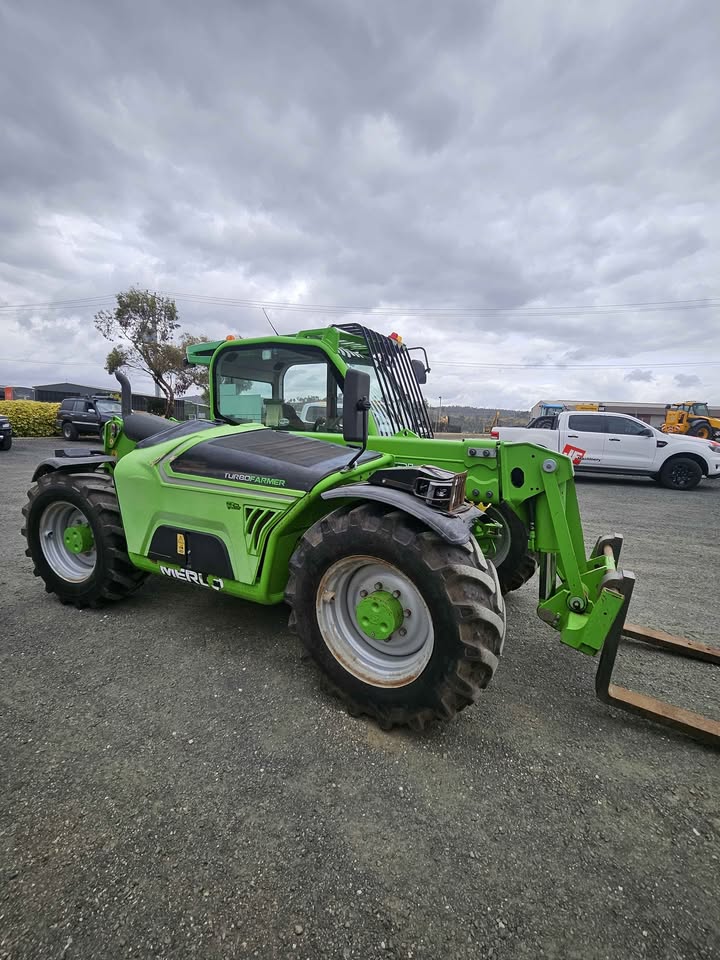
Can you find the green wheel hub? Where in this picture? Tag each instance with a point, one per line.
(379, 614)
(79, 538)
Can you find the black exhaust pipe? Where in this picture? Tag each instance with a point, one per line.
(126, 395)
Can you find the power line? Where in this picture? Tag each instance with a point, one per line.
(539, 311)
(498, 365)
(59, 304)
(649, 364)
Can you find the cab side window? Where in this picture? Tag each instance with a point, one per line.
(628, 428)
(305, 390)
(585, 424)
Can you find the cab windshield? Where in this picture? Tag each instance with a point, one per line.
(701, 409)
(282, 386)
(108, 406)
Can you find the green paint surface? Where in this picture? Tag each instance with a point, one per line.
(79, 539)
(379, 615)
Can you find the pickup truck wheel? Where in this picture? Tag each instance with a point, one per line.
(405, 627)
(680, 473)
(69, 431)
(508, 550)
(5, 443)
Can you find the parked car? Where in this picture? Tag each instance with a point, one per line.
(6, 433)
(86, 415)
(619, 444)
(314, 411)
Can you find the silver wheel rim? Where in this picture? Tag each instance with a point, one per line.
(67, 431)
(55, 519)
(393, 663)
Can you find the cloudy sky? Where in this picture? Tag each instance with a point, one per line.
(483, 177)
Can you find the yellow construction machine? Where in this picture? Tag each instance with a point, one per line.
(692, 418)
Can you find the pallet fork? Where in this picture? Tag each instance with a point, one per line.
(694, 725)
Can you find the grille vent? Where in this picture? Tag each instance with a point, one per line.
(258, 522)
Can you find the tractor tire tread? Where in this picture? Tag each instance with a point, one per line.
(524, 571)
(473, 594)
(121, 577)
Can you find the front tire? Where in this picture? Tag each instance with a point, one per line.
(702, 429)
(94, 566)
(5, 443)
(514, 564)
(443, 648)
(680, 473)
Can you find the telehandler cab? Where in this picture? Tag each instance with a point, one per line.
(393, 549)
(692, 418)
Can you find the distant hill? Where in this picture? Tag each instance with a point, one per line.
(476, 419)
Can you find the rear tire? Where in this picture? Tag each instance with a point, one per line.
(453, 639)
(69, 431)
(680, 473)
(101, 573)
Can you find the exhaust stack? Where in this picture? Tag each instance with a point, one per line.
(126, 395)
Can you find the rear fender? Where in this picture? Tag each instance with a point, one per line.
(454, 528)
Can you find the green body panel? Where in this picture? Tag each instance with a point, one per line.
(259, 525)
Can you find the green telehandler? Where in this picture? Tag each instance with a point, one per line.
(392, 548)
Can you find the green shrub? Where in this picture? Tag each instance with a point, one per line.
(30, 418)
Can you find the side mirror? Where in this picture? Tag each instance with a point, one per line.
(647, 432)
(419, 371)
(356, 403)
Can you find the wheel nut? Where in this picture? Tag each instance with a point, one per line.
(402, 631)
(378, 586)
(396, 593)
(407, 613)
(363, 593)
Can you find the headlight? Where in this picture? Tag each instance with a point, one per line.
(441, 488)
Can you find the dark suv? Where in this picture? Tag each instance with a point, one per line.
(86, 415)
(5, 433)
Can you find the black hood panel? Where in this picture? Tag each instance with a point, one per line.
(268, 458)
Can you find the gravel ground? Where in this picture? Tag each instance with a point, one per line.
(175, 783)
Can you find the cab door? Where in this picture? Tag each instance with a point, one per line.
(585, 440)
(630, 444)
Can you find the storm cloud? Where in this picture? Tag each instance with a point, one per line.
(480, 177)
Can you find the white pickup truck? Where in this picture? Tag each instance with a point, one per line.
(618, 444)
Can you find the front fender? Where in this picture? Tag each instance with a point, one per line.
(454, 528)
(70, 461)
